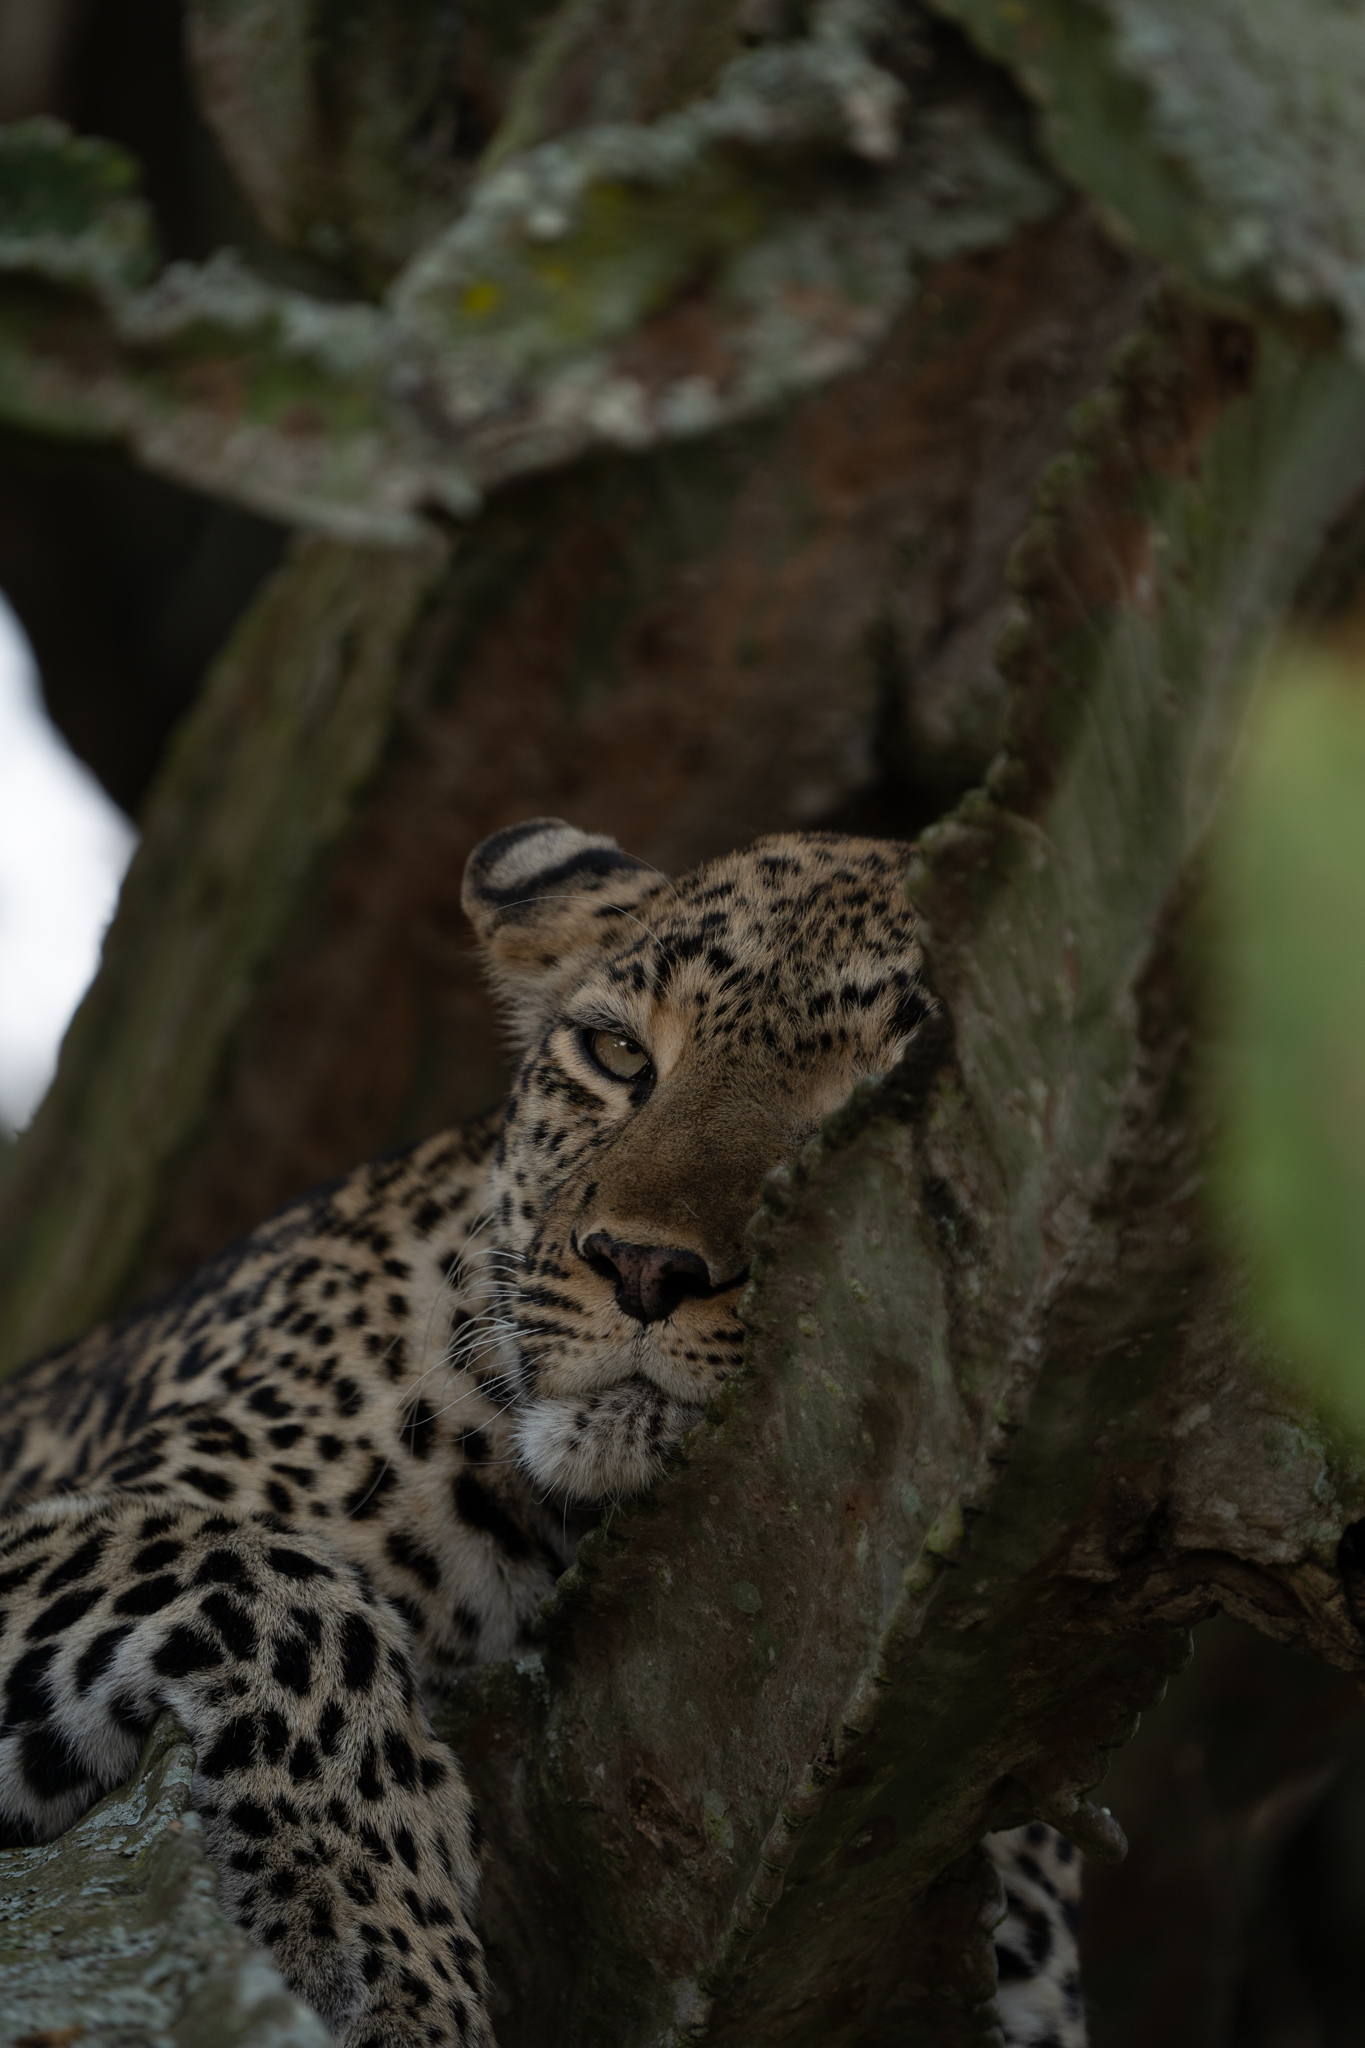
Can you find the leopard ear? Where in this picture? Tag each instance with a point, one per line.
(540, 895)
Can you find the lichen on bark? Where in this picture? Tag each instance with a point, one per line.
(1224, 137)
(113, 1932)
(787, 210)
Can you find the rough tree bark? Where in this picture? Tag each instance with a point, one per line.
(679, 429)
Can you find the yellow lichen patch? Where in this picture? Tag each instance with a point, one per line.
(480, 298)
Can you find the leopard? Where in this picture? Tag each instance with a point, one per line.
(292, 1499)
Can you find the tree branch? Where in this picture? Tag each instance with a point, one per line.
(622, 287)
(1002, 1439)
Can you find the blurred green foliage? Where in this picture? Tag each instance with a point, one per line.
(1291, 895)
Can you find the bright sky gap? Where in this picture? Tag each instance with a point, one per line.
(64, 846)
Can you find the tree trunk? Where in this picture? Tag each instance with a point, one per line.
(705, 460)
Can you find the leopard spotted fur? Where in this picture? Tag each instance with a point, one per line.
(291, 1499)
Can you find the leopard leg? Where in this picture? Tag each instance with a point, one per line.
(342, 1831)
(1036, 1953)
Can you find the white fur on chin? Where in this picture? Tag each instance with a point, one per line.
(605, 1446)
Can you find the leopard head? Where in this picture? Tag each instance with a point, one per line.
(679, 1039)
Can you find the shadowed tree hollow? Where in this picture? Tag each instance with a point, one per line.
(695, 421)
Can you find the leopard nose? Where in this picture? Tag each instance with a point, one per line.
(651, 1279)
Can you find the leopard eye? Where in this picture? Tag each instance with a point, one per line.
(617, 1055)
